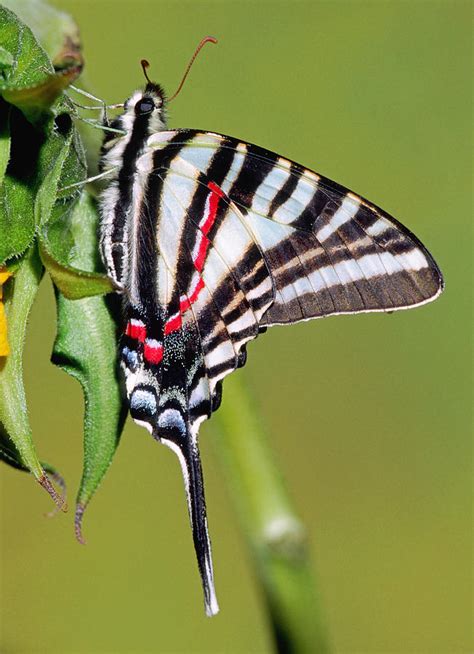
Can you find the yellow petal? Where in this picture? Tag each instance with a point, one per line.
(4, 275)
(4, 347)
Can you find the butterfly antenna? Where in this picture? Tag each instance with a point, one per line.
(145, 64)
(206, 39)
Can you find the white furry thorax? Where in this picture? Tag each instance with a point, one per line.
(116, 158)
(113, 150)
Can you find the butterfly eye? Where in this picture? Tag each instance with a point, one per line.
(145, 106)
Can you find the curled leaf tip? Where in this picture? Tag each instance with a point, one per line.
(80, 508)
(37, 98)
(70, 54)
(45, 482)
(59, 481)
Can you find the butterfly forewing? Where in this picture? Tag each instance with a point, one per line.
(327, 250)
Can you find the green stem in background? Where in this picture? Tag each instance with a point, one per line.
(275, 534)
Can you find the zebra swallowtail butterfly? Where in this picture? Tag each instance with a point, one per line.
(211, 240)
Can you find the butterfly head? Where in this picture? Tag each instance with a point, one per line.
(146, 108)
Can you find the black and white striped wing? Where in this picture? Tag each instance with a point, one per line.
(298, 245)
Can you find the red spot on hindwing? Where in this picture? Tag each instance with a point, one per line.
(153, 351)
(136, 329)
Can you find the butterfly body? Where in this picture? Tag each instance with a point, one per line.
(211, 240)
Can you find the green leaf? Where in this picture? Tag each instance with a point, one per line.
(30, 63)
(6, 59)
(61, 162)
(17, 190)
(16, 443)
(16, 219)
(11, 456)
(73, 283)
(74, 169)
(51, 162)
(56, 30)
(60, 237)
(5, 139)
(8, 453)
(32, 185)
(30, 82)
(33, 164)
(86, 348)
(35, 101)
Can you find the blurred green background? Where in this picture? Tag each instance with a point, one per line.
(369, 416)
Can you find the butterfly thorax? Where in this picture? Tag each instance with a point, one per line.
(144, 115)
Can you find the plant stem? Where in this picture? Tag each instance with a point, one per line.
(275, 534)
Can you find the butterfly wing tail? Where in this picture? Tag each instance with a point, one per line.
(188, 454)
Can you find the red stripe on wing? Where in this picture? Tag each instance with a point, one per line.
(201, 255)
(188, 301)
(174, 323)
(216, 195)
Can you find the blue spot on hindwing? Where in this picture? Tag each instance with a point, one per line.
(130, 357)
(143, 404)
(171, 424)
